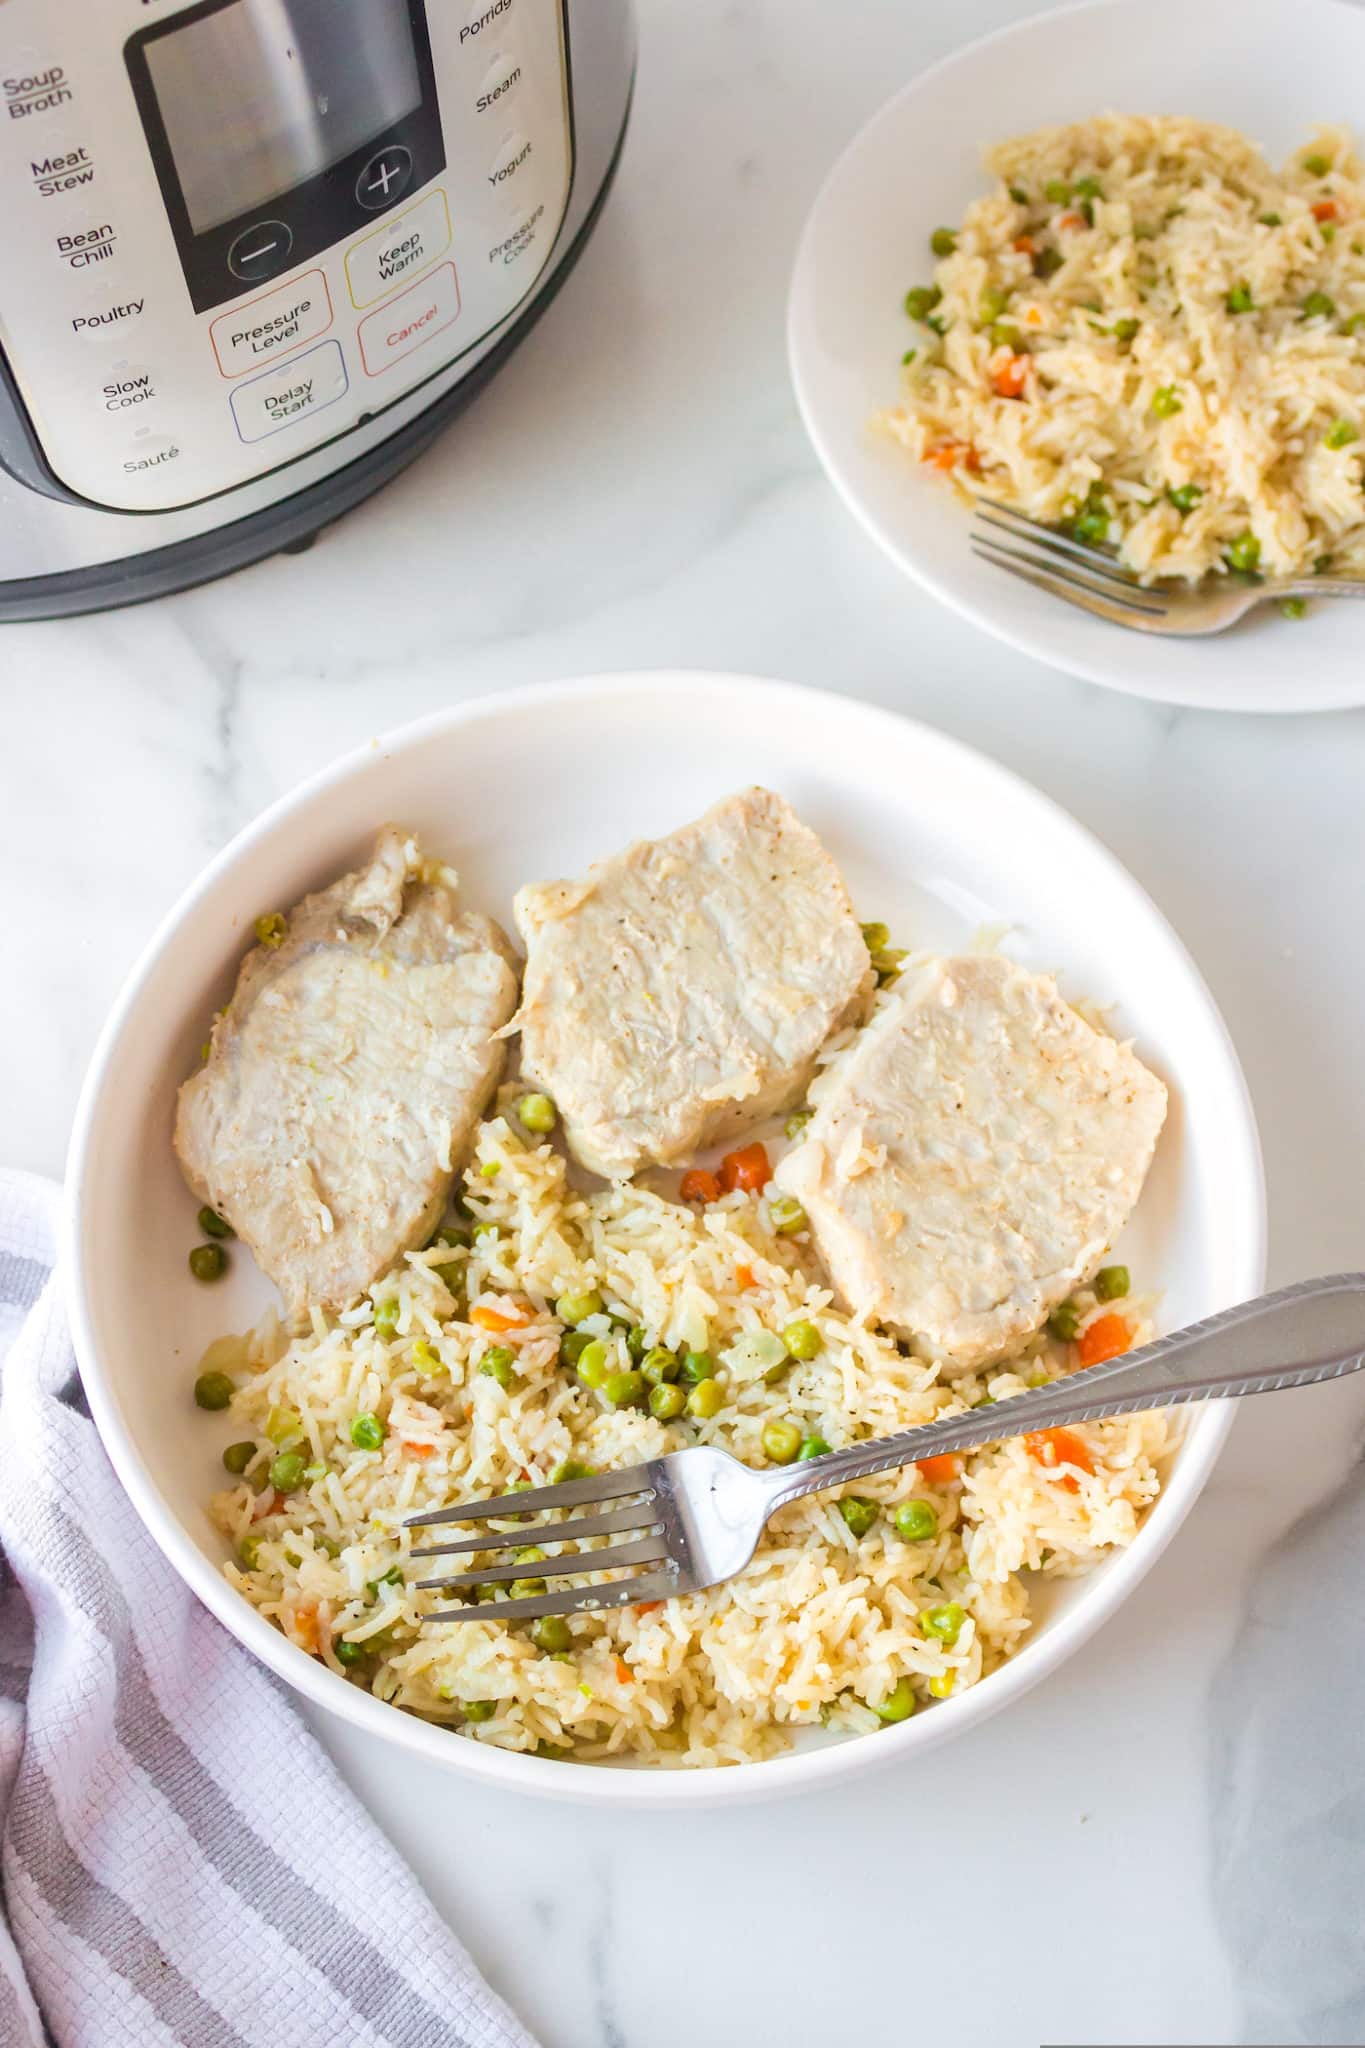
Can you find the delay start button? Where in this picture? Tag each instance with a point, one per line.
(291, 394)
(409, 320)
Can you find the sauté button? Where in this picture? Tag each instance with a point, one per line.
(293, 392)
(409, 320)
(386, 177)
(259, 251)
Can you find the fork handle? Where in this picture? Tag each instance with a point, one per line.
(1314, 586)
(1312, 1331)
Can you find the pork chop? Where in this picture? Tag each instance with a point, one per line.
(975, 1154)
(344, 1079)
(680, 991)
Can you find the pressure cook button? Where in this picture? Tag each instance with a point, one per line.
(259, 251)
(385, 177)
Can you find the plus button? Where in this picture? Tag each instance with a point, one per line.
(385, 176)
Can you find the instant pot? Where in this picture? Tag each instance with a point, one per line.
(255, 253)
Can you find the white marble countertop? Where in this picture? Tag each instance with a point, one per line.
(1163, 1844)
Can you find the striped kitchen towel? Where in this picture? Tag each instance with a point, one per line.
(182, 1867)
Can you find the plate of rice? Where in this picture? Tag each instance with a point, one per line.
(865, 1625)
(1108, 268)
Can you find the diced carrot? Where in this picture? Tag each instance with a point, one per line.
(499, 1319)
(744, 1277)
(624, 1674)
(1009, 379)
(647, 1606)
(1325, 209)
(416, 1450)
(747, 1169)
(1071, 220)
(938, 1471)
(306, 1629)
(1026, 245)
(1033, 316)
(949, 453)
(697, 1185)
(1109, 1337)
(1053, 1447)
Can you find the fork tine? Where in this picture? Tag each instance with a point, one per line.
(571, 1600)
(1079, 574)
(648, 1550)
(1072, 590)
(1024, 528)
(1053, 543)
(640, 1517)
(601, 1486)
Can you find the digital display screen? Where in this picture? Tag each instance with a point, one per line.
(261, 95)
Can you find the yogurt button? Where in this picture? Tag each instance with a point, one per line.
(511, 169)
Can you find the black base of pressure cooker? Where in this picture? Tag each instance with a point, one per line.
(292, 525)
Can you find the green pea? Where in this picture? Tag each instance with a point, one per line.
(214, 1225)
(392, 1577)
(1018, 195)
(208, 1262)
(490, 1169)
(1065, 1321)
(594, 1364)
(328, 1545)
(941, 1686)
(552, 1634)
(909, 355)
(286, 1471)
(916, 1520)
(875, 936)
(571, 1468)
(898, 1705)
(1294, 607)
(1317, 166)
(270, 928)
(1091, 525)
(537, 1113)
(1125, 329)
(944, 1622)
(485, 1233)
(625, 1389)
(992, 304)
(350, 1653)
(1047, 263)
(237, 1457)
(1112, 1282)
(786, 1215)
(572, 1345)
(781, 1442)
(1269, 220)
(943, 241)
(802, 1340)
(1239, 299)
(314, 1471)
(706, 1400)
(859, 1514)
(697, 1366)
(666, 1402)
(659, 1365)
(576, 1308)
(938, 325)
(249, 1550)
(1003, 335)
(213, 1390)
(921, 300)
(386, 1317)
(367, 1432)
(427, 1358)
(527, 1589)
(1185, 497)
(1167, 402)
(1089, 188)
(1317, 306)
(499, 1363)
(1353, 323)
(1340, 434)
(811, 1447)
(479, 1710)
(1327, 229)
(1243, 554)
(637, 1343)
(796, 1123)
(1057, 192)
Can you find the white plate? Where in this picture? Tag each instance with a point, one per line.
(1270, 69)
(535, 784)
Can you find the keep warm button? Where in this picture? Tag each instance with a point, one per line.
(409, 320)
(293, 392)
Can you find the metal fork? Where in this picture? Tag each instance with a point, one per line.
(1095, 580)
(704, 1512)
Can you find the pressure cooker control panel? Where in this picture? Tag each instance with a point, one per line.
(232, 233)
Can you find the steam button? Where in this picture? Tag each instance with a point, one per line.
(260, 250)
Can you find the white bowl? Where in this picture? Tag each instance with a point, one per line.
(933, 838)
(1273, 71)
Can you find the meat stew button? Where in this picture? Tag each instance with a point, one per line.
(409, 320)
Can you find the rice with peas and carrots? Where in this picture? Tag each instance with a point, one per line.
(1147, 334)
(842, 1618)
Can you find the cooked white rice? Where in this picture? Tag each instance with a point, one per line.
(1250, 417)
(819, 1628)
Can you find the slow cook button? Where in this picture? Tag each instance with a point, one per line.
(510, 167)
(409, 320)
(407, 243)
(272, 324)
(292, 393)
(499, 83)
